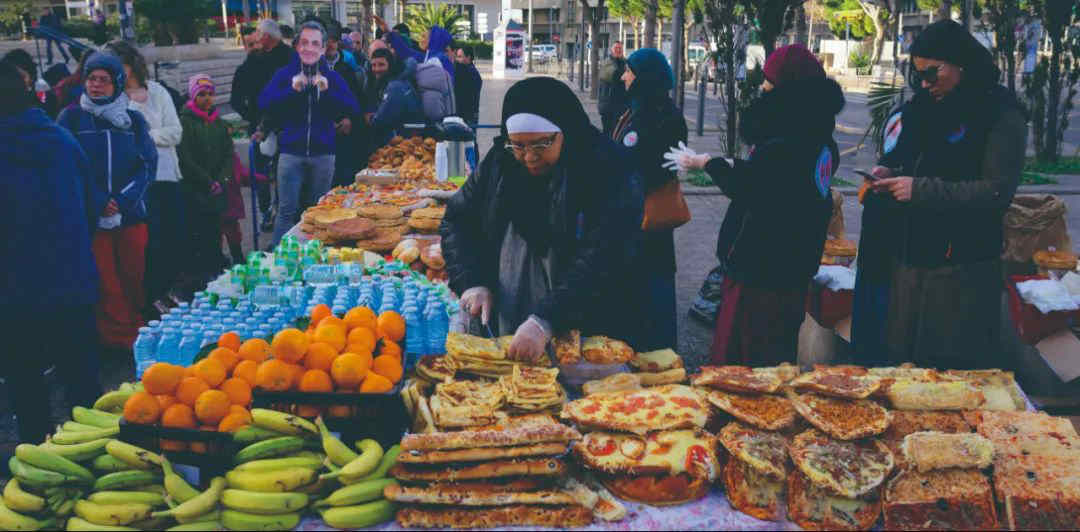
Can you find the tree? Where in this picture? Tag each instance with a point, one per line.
(724, 24)
(1057, 15)
(840, 13)
(880, 13)
(773, 18)
(11, 15)
(177, 22)
(651, 9)
(420, 18)
(596, 16)
(1003, 16)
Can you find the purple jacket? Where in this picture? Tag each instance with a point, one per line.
(306, 119)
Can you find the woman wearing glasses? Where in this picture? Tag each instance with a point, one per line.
(929, 287)
(544, 237)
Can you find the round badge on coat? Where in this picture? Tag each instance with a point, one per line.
(630, 140)
(823, 172)
(892, 132)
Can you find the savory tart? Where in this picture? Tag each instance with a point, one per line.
(669, 407)
(927, 451)
(737, 379)
(953, 499)
(767, 412)
(765, 452)
(836, 385)
(604, 350)
(851, 469)
(813, 507)
(841, 418)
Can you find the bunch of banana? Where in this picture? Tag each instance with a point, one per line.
(360, 502)
(113, 401)
(201, 508)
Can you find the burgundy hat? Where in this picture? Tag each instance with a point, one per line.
(793, 62)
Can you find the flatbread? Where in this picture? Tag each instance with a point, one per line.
(767, 412)
(667, 407)
(850, 469)
(836, 385)
(425, 225)
(545, 467)
(765, 452)
(612, 383)
(514, 515)
(737, 379)
(482, 453)
(948, 395)
(433, 213)
(671, 376)
(844, 419)
(489, 438)
(467, 345)
(381, 212)
(437, 368)
(440, 495)
(657, 361)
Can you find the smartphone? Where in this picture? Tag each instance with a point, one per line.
(867, 175)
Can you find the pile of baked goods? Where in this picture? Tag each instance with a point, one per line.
(1048, 260)
(654, 368)
(532, 389)
(511, 473)
(839, 252)
(570, 348)
(335, 225)
(485, 357)
(427, 219)
(422, 255)
(414, 158)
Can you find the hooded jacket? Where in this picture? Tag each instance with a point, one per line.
(774, 231)
(206, 157)
(307, 118)
(400, 104)
(438, 40)
(44, 194)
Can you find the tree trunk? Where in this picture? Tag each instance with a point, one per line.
(594, 51)
(801, 29)
(879, 42)
(651, 8)
(1053, 97)
(732, 105)
(678, 48)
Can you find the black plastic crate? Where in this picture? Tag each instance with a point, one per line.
(379, 416)
(216, 461)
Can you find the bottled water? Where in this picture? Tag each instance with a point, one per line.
(415, 336)
(145, 351)
(168, 349)
(436, 325)
(182, 308)
(189, 347)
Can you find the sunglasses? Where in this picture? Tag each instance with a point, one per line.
(536, 148)
(929, 75)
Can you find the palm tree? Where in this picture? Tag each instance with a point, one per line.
(421, 18)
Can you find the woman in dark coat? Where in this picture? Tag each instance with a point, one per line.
(545, 235)
(932, 233)
(781, 203)
(648, 129)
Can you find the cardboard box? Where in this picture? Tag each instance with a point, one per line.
(1061, 352)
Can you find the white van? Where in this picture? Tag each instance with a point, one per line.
(543, 53)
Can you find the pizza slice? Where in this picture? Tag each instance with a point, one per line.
(836, 385)
(765, 452)
(841, 418)
(767, 412)
(737, 379)
(567, 347)
(785, 371)
(752, 492)
(927, 451)
(672, 452)
(815, 508)
(947, 395)
(669, 407)
(612, 383)
(850, 469)
(604, 350)
(656, 361)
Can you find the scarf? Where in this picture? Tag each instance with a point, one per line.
(209, 118)
(115, 112)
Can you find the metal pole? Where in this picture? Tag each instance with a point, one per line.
(252, 172)
(530, 37)
(847, 46)
(701, 100)
(677, 44)
(581, 46)
(225, 19)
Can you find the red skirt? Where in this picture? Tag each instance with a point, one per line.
(757, 326)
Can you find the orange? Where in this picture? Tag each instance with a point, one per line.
(229, 340)
(142, 408)
(290, 345)
(274, 375)
(162, 378)
(331, 333)
(316, 380)
(226, 356)
(295, 372)
(246, 370)
(360, 317)
(212, 406)
(198, 446)
(319, 312)
(237, 409)
(388, 366)
(179, 416)
(189, 371)
(165, 401)
(375, 383)
(238, 390)
(189, 390)
(255, 349)
(339, 411)
(211, 371)
(309, 411)
(233, 422)
(361, 340)
(391, 348)
(391, 325)
(349, 369)
(331, 320)
(319, 356)
(174, 445)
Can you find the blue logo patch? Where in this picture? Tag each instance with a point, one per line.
(823, 171)
(892, 132)
(957, 135)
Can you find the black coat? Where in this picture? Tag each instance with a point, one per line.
(611, 92)
(649, 131)
(252, 76)
(775, 229)
(594, 219)
(467, 85)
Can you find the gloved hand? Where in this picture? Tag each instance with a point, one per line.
(530, 340)
(682, 158)
(299, 82)
(477, 301)
(215, 188)
(320, 81)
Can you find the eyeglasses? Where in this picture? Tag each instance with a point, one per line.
(536, 148)
(930, 75)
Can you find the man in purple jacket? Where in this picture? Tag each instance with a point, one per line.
(308, 104)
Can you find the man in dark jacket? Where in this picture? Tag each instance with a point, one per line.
(612, 93)
(467, 85)
(50, 21)
(312, 104)
(50, 270)
(346, 162)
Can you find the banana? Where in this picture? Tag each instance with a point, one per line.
(198, 505)
(78, 452)
(36, 477)
(214, 515)
(129, 387)
(97, 418)
(197, 527)
(72, 438)
(252, 434)
(255, 502)
(107, 464)
(76, 524)
(234, 520)
(36, 456)
(10, 520)
(66, 508)
(359, 516)
(20, 500)
(113, 400)
(273, 464)
(269, 449)
(271, 481)
(155, 500)
(112, 514)
(133, 456)
(176, 486)
(126, 479)
(319, 488)
(366, 491)
(282, 422)
(389, 459)
(152, 524)
(75, 426)
(339, 453)
(370, 455)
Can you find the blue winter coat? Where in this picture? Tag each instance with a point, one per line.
(400, 104)
(438, 40)
(43, 193)
(123, 162)
(306, 119)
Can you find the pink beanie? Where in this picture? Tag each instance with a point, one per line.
(792, 63)
(199, 83)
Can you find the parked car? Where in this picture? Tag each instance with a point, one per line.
(542, 53)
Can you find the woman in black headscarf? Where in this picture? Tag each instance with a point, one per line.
(543, 237)
(932, 223)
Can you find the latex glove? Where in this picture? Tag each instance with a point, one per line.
(320, 82)
(683, 158)
(530, 340)
(477, 302)
(299, 82)
(215, 188)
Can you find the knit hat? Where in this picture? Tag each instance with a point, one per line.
(199, 83)
(652, 71)
(793, 62)
(948, 41)
(111, 64)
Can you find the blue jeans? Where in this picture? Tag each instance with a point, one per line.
(295, 173)
(661, 330)
(870, 313)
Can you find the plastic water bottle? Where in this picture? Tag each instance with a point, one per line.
(436, 325)
(145, 351)
(189, 347)
(415, 335)
(168, 349)
(182, 308)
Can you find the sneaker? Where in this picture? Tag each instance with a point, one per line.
(704, 311)
(268, 222)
